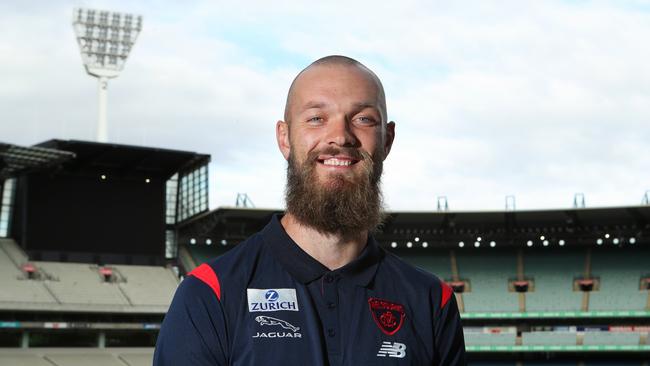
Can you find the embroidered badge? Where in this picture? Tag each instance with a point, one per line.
(388, 316)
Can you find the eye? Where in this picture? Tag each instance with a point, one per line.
(315, 119)
(366, 120)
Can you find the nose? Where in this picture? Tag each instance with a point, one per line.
(340, 133)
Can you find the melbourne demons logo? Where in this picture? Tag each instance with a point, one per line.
(389, 316)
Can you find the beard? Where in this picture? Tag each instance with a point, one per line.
(343, 204)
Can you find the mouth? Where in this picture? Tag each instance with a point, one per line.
(338, 162)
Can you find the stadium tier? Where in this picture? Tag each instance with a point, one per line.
(488, 276)
(57, 286)
(620, 277)
(553, 275)
(77, 357)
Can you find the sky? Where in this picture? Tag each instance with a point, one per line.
(538, 99)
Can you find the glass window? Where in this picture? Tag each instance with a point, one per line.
(6, 206)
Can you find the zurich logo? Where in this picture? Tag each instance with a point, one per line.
(271, 295)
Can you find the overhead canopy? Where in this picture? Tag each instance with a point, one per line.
(128, 159)
(17, 160)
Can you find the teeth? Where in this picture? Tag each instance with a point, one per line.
(337, 162)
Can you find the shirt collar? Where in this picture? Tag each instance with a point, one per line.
(307, 269)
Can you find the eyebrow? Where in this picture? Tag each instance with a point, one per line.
(360, 105)
(313, 104)
(363, 105)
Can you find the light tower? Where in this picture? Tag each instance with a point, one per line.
(105, 39)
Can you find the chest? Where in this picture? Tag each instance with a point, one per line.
(328, 322)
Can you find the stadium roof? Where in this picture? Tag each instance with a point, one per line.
(16, 160)
(581, 225)
(128, 159)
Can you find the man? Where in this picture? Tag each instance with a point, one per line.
(313, 287)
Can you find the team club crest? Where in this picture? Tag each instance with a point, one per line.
(389, 316)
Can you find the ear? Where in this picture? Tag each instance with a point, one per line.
(389, 137)
(282, 136)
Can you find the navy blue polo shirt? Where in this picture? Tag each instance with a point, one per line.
(268, 302)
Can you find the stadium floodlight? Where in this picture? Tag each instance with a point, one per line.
(561, 242)
(409, 244)
(599, 241)
(632, 240)
(493, 244)
(461, 244)
(529, 243)
(615, 241)
(105, 40)
(425, 244)
(393, 245)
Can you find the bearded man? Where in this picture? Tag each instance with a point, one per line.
(314, 287)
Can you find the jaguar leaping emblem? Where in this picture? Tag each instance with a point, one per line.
(267, 320)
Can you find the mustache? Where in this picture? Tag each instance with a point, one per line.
(332, 150)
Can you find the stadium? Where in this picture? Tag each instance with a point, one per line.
(97, 234)
(561, 287)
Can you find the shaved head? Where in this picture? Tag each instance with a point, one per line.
(336, 61)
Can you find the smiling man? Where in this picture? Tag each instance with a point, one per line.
(314, 287)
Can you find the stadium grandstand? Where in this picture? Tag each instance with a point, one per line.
(94, 239)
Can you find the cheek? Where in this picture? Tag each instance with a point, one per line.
(303, 142)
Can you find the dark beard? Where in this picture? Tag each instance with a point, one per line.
(342, 205)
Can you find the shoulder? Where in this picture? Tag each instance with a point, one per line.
(233, 269)
(415, 280)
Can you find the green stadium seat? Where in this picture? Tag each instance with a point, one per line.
(553, 275)
(619, 272)
(611, 338)
(489, 274)
(548, 338)
(490, 339)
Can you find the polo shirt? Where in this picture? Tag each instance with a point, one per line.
(268, 302)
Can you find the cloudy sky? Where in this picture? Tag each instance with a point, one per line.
(537, 99)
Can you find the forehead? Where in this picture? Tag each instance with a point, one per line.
(335, 84)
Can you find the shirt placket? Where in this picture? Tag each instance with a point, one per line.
(330, 316)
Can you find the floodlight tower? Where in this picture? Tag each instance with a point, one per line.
(105, 40)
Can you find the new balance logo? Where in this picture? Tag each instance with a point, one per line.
(392, 349)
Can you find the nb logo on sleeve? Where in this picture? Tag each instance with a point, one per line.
(392, 349)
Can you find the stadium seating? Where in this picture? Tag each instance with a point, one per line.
(14, 287)
(440, 265)
(76, 357)
(611, 338)
(77, 283)
(11, 251)
(73, 286)
(22, 360)
(138, 284)
(619, 272)
(490, 339)
(548, 338)
(553, 276)
(488, 275)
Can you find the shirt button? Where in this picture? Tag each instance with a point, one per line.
(331, 305)
(331, 332)
(329, 278)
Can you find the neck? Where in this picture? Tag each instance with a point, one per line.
(332, 250)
